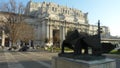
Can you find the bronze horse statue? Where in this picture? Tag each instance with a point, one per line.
(78, 41)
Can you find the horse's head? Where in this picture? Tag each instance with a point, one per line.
(71, 35)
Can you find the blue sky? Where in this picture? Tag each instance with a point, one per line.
(107, 11)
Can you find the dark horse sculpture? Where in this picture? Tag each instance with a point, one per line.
(78, 41)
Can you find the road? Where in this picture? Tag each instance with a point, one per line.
(26, 59)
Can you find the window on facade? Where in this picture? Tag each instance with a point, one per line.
(80, 15)
(47, 5)
(55, 9)
(63, 10)
(52, 8)
(66, 11)
(76, 13)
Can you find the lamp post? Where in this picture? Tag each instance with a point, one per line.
(99, 31)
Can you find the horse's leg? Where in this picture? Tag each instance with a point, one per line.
(78, 48)
(86, 49)
(63, 47)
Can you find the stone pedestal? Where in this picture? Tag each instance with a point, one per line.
(61, 62)
(116, 57)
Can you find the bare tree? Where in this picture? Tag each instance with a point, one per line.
(26, 32)
(14, 20)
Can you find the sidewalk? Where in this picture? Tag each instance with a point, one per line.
(29, 50)
(1, 50)
(16, 50)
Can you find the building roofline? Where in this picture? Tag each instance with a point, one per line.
(16, 14)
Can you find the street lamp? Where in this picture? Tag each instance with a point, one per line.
(99, 30)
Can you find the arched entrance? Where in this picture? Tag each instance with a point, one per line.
(56, 37)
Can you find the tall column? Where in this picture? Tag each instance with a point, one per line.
(62, 35)
(51, 33)
(3, 38)
(43, 31)
(48, 29)
(65, 28)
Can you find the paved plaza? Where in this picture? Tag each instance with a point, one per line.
(26, 59)
(36, 59)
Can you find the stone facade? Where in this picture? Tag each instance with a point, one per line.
(56, 12)
(51, 17)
